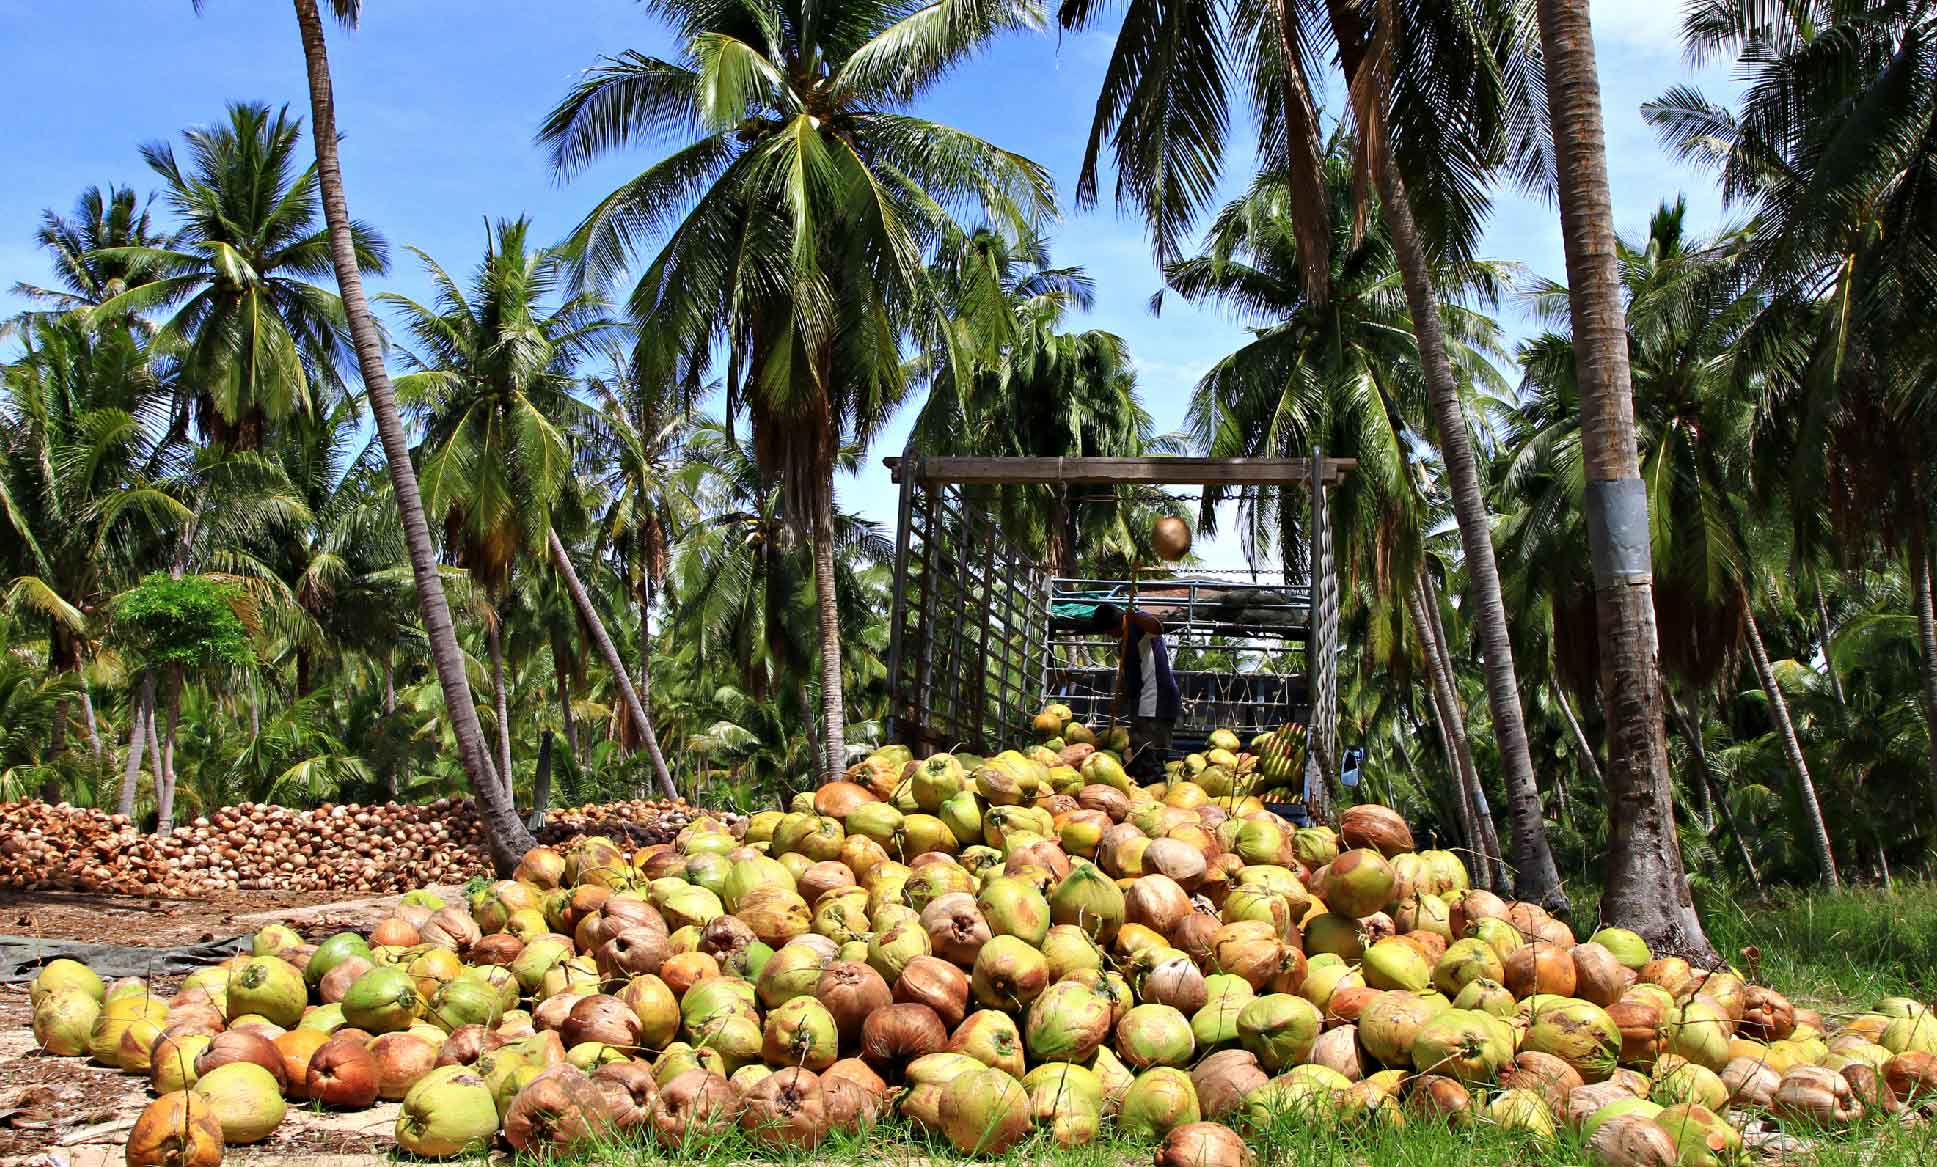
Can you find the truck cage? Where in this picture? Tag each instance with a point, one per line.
(982, 636)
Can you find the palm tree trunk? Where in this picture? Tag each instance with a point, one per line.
(1920, 572)
(567, 721)
(87, 714)
(1646, 886)
(1691, 728)
(1305, 167)
(1765, 675)
(1583, 748)
(1536, 878)
(1459, 747)
(144, 711)
(165, 793)
(541, 785)
(389, 686)
(505, 836)
(1459, 751)
(1829, 634)
(607, 651)
(154, 746)
(833, 707)
(500, 700)
(660, 773)
(1440, 662)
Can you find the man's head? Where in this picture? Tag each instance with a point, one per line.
(1106, 618)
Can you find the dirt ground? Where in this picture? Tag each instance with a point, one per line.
(65, 1112)
(136, 920)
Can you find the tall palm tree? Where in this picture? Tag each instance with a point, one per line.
(636, 445)
(1341, 371)
(1437, 93)
(260, 343)
(505, 834)
(1008, 380)
(797, 159)
(1646, 890)
(493, 391)
(344, 569)
(1831, 152)
(85, 497)
(1697, 373)
(103, 220)
(495, 388)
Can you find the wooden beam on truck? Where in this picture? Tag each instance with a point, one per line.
(1159, 471)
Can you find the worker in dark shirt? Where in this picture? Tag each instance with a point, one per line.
(1146, 690)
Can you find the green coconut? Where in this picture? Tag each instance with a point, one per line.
(382, 1000)
(1157, 1102)
(65, 975)
(1464, 962)
(1068, 1099)
(1464, 1044)
(269, 987)
(1014, 907)
(1066, 1023)
(333, 952)
(1090, 900)
(1389, 1023)
(1702, 1138)
(447, 1114)
(1577, 1032)
(1279, 1028)
(1698, 1029)
(1154, 1035)
(1395, 964)
(1627, 947)
(465, 1000)
(64, 1020)
(247, 1100)
(801, 1032)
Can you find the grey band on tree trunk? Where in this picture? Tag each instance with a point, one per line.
(1619, 541)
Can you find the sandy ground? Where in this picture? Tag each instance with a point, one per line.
(134, 920)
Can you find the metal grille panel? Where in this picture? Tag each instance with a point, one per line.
(966, 648)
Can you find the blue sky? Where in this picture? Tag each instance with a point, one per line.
(437, 102)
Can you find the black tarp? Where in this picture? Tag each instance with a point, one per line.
(21, 957)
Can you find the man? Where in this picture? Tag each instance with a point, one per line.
(1145, 688)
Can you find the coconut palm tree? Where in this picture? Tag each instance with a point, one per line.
(260, 343)
(493, 393)
(495, 390)
(1010, 381)
(796, 157)
(86, 497)
(1341, 371)
(635, 445)
(103, 221)
(1696, 371)
(1830, 152)
(1438, 97)
(505, 834)
(1646, 890)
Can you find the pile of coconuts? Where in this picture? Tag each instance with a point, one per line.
(1025, 945)
(254, 846)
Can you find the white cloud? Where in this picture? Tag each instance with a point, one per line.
(1638, 24)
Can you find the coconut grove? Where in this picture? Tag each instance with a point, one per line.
(547, 561)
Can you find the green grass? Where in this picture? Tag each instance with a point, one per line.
(1292, 1143)
(1836, 950)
